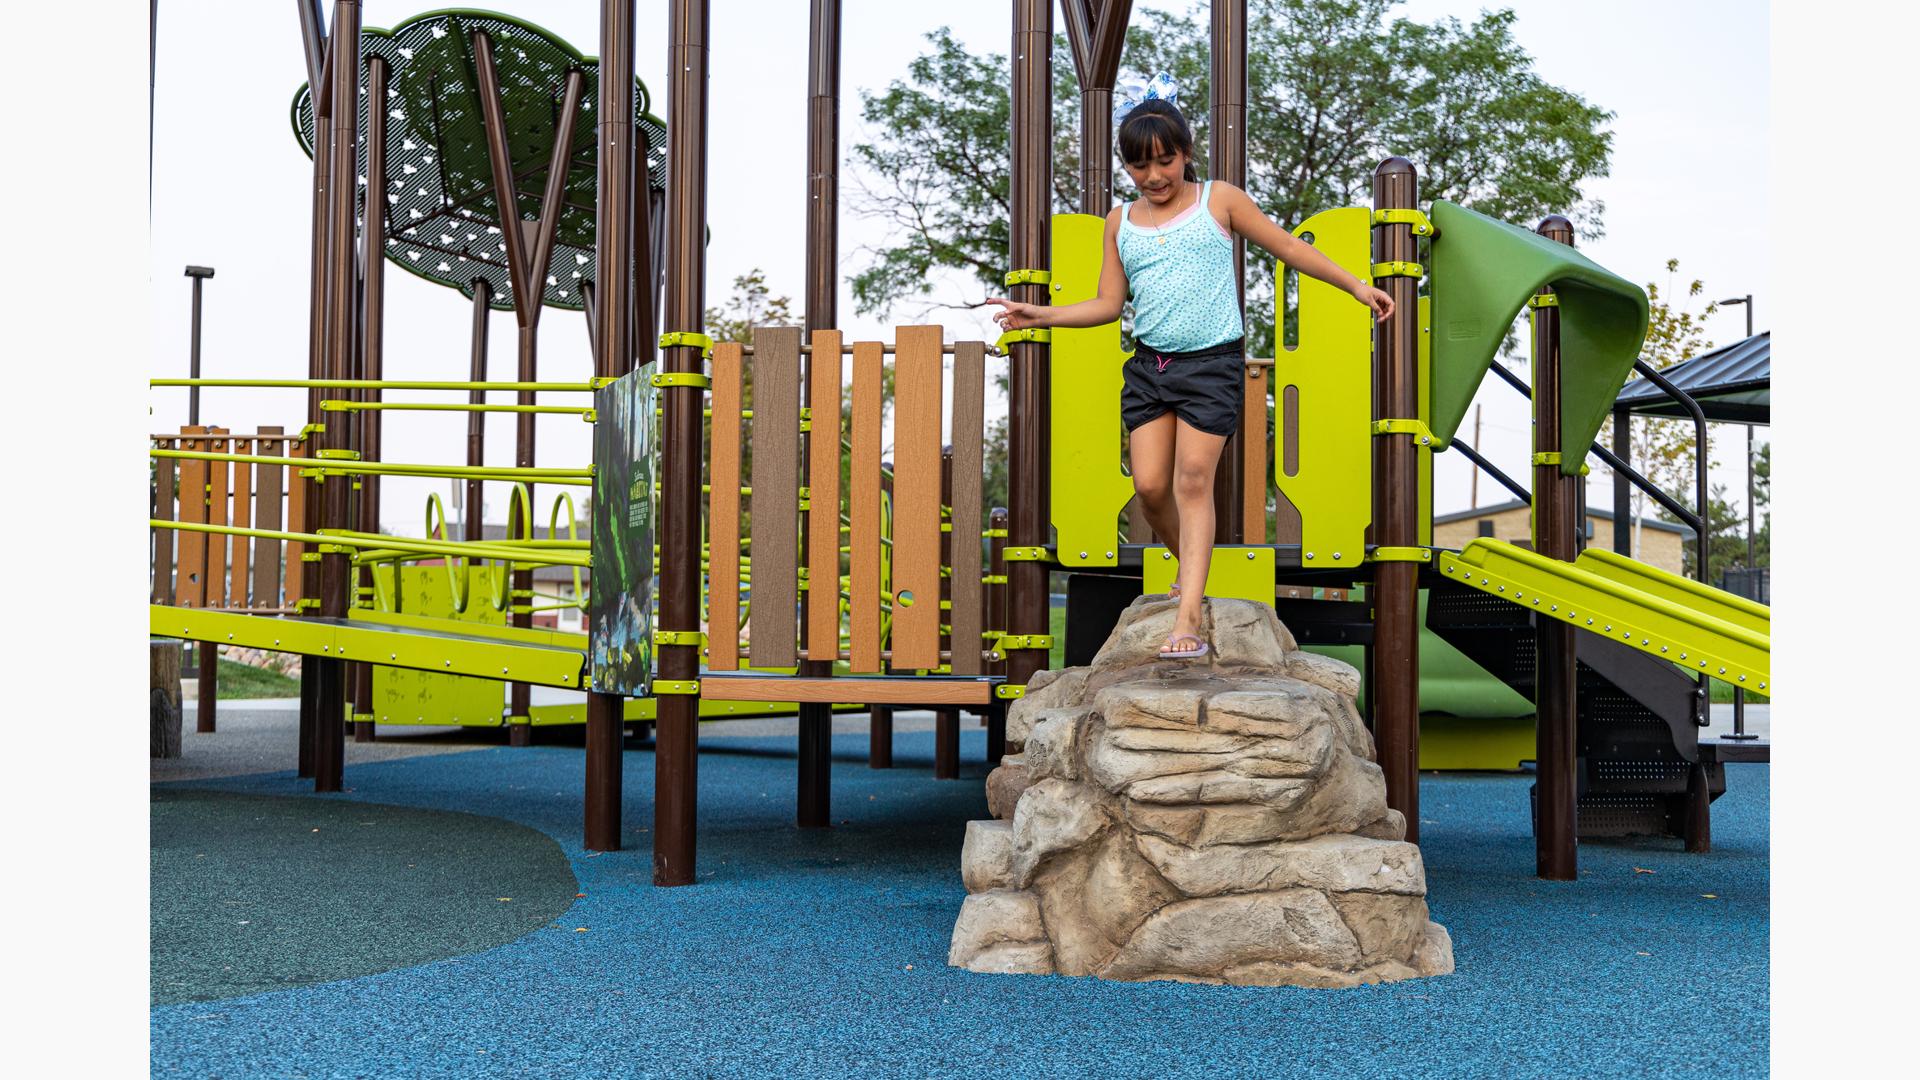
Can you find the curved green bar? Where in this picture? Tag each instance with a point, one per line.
(1483, 273)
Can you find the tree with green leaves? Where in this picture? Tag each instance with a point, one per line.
(1333, 86)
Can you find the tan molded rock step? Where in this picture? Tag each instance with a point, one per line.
(1213, 820)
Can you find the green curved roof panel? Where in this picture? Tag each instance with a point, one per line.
(1484, 271)
(443, 219)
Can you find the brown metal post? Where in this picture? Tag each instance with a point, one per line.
(814, 793)
(1395, 687)
(336, 492)
(470, 521)
(373, 284)
(1622, 495)
(676, 742)
(946, 722)
(1227, 160)
(313, 33)
(1031, 244)
(613, 357)
(1556, 527)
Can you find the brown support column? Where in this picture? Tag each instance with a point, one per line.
(1031, 244)
(470, 521)
(613, 357)
(313, 34)
(373, 281)
(1556, 526)
(336, 492)
(946, 722)
(529, 247)
(1227, 160)
(814, 809)
(677, 740)
(1395, 686)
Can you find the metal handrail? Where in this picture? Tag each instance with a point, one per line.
(1672, 505)
(1502, 478)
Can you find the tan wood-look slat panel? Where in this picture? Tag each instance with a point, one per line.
(297, 488)
(969, 433)
(823, 496)
(242, 516)
(863, 508)
(842, 690)
(190, 587)
(218, 474)
(267, 494)
(774, 620)
(1253, 457)
(916, 497)
(723, 512)
(163, 470)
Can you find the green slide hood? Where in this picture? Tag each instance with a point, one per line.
(1483, 273)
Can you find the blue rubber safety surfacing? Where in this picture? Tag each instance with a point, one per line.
(823, 953)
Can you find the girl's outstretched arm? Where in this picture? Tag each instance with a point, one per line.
(1099, 311)
(1248, 220)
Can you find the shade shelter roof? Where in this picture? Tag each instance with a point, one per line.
(443, 217)
(1731, 383)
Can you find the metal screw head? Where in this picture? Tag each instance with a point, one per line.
(1723, 671)
(1109, 554)
(1336, 556)
(1169, 555)
(1083, 554)
(1249, 556)
(1309, 554)
(1743, 678)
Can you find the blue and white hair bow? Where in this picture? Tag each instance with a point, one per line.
(1128, 95)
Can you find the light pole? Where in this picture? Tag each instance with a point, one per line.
(198, 274)
(1753, 580)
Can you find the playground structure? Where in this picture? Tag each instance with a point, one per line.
(918, 623)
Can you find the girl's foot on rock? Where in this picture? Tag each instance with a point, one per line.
(1183, 647)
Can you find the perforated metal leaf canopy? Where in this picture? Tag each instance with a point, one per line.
(443, 219)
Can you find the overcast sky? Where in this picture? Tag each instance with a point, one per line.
(1688, 82)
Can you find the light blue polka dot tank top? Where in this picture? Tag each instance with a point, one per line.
(1181, 276)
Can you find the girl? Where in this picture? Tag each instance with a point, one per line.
(1183, 386)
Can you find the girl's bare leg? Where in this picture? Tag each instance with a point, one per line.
(1196, 455)
(1150, 452)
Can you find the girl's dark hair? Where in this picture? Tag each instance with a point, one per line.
(1155, 124)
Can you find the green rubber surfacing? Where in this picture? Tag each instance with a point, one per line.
(252, 893)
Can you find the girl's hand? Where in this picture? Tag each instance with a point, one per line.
(1380, 302)
(1017, 316)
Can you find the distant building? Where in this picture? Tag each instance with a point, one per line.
(1661, 542)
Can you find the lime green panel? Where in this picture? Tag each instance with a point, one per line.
(307, 637)
(1423, 360)
(1483, 273)
(1705, 599)
(1453, 742)
(1235, 573)
(1089, 487)
(426, 602)
(343, 640)
(1657, 625)
(1332, 368)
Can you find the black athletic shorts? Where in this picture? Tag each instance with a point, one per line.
(1205, 387)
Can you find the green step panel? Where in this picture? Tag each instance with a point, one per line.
(1331, 369)
(1678, 630)
(1483, 272)
(1235, 572)
(426, 594)
(1089, 487)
